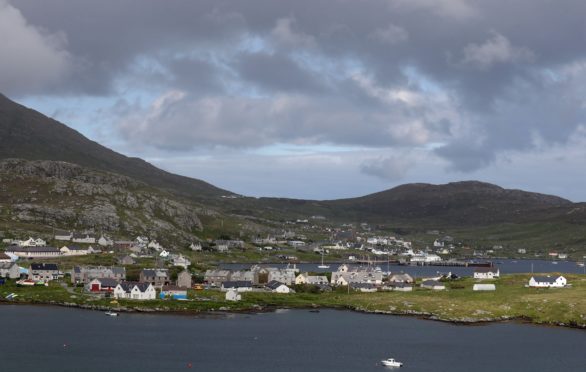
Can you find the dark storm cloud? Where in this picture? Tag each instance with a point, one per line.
(477, 77)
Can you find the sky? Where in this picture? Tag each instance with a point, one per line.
(318, 99)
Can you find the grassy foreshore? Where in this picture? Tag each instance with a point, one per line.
(511, 300)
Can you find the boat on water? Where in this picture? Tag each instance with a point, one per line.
(111, 313)
(323, 266)
(581, 264)
(391, 363)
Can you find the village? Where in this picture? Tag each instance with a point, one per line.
(172, 275)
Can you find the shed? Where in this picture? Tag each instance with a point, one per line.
(484, 287)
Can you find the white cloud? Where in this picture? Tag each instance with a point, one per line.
(32, 58)
(495, 50)
(391, 34)
(392, 168)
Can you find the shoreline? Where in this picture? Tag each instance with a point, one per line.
(269, 309)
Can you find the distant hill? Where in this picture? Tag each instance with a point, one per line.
(28, 134)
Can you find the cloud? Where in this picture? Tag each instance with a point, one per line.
(391, 34)
(32, 59)
(495, 50)
(390, 168)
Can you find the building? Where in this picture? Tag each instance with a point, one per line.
(240, 275)
(217, 277)
(4, 257)
(486, 273)
(85, 274)
(433, 284)
(547, 282)
(181, 261)
(9, 270)
(278, 287)
(44, 271)
(240, 286)
(63, 235)
(135, 291)
(184, 279)
(305, 278)
(233, 295)
(34, 252)
(174, 292)
(363, 287)
(105, 241)
(30, 242)
(83, 238)
(127, 260)
(401, 278)
(157, 277)
(403, 287)
(361, 276)
(285, 276)
(483, 287)
(74, 250)
(101, 285)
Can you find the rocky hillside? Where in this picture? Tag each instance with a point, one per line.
(51, 194)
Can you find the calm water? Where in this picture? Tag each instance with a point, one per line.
(60, 339)
(506, 266)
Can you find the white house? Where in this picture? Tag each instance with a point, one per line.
(155, 245)
(73, 250)
(278, 287)
(238, 285)
(135, 291)
(181, 261)
(486, 273)
(83, 238)
(164, 254)
(105, 242)
(30, 242)
(305, 278)
(196, 247)
(483, 287)
(233, 295)
(547, 282)
(63, 235)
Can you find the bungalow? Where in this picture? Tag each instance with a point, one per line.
(433, 284)
(401, 278)
(63, 235)
(44, 271)
(403, 287)
(171, 291)
(278, 287)
(9, 270)
(363, 276)
(547, 282)
(135, 291)
(73, 250)
(83, 238)
(483, 287)
(101, 285)
(33, 252)
(184, 279)
(363, 287)
(486, 273)
(85, 274)
(305, 278)
(233, 295)
(157, 277)
(217, 277)
(240, 286)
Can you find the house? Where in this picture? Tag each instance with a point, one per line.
(105, 241)
(363, 287)
(483, 287)
(101, 285)
(9, 270)
(85, 274)
(135, 291)
(63, 235)
(403, 287)
(4, 257)
(305, 278)
(240, 286)
(359, 276)
(83, 238)
(181, 261)
(155, 245)
(486, 273)
(92, 250)
(34, 252)
(401, 278)
(217, 277)
(30, 242)
(73, 250)
(241, 275)
(123, 244)
(157, 277)
(174, 292)
(196, 247)
(233, 295)
(164, 253)
(184, 279)
(127, 260)
(547, 282)
(278, 287)
(433, 284)
(285, 276)
(44, 271)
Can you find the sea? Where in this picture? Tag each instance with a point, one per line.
(50, 338)
(506, 266)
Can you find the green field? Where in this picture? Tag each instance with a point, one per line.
(511, 300)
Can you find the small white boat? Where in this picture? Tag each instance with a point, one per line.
(391, 363)
(323, 266)
(111, 313)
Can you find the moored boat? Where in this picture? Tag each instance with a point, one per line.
(111, 313)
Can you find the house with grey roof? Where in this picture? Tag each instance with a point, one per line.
(44, 271)
(135, 291)
(548, 282)
(239, 285)
(85, 274)
(83, 238)
(157, 277)
(217, 277)
(101, 285)
(184, 279)
(33, 252)
(278, 287)
(401, 278)
(9, 270)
